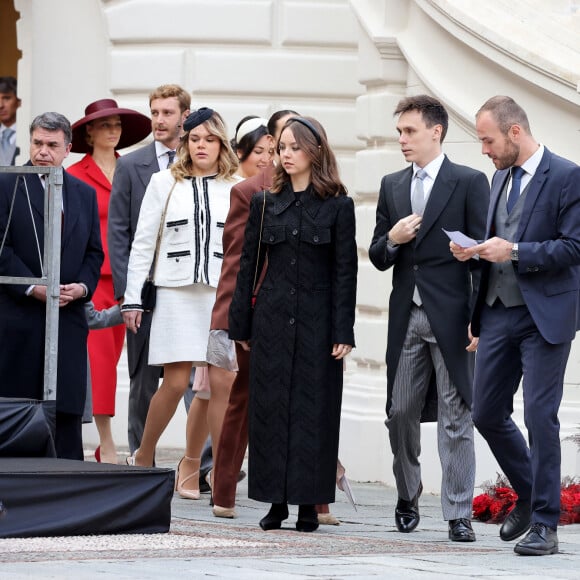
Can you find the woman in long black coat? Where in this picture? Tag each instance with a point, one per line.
(301, 327)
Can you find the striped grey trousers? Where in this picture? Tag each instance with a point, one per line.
(420, 356)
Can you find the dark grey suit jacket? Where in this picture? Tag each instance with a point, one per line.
(132, 175)
(458, 201)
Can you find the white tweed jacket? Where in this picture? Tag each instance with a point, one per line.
(191, 248)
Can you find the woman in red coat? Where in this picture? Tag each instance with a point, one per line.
(104, 129)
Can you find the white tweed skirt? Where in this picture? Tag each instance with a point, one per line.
(180, 324)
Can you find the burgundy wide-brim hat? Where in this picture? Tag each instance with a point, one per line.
(136, 126)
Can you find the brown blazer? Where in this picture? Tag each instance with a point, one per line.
(233, 242)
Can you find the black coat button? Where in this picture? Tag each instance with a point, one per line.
(294, 232)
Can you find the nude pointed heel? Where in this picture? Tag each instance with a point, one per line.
(179, 483)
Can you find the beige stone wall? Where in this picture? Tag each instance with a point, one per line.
(239, 56)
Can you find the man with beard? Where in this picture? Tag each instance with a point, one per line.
(526, 314)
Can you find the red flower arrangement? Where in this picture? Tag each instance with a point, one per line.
(499, 498)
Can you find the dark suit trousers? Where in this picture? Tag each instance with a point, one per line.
(69, 436)
(144, 381)
(510, 346)
(234, 437)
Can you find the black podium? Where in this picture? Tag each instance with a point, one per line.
(61, 497)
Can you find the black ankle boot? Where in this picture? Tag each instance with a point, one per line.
(307, 519)
(273, 519)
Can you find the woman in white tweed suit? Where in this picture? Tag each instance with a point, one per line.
(196, 192)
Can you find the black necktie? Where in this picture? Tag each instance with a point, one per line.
(171, 157)
(514, 194)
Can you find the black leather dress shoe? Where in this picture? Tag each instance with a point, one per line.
(517, 522)
(539, 541)
(461, 531)
(407, 512)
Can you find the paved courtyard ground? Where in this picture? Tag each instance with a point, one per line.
(365, 545)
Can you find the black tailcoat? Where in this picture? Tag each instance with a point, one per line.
(458, 201)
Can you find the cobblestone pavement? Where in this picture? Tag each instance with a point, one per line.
(365, 545)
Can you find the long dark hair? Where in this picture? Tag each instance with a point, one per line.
(310, 137)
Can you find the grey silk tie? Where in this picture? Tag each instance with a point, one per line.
(6, 149)
(418, 206)
(418, 196)
(171, 157)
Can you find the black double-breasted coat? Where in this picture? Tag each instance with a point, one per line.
(306, 303)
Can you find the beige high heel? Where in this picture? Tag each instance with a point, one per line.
(223, 512)
(179, 483)
(328, 520)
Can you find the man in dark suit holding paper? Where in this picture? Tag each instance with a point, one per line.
(429, 310)
(526, 314)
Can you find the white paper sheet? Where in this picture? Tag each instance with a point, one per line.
(460, 239)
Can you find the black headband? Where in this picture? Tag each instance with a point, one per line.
(310, 126)
(197, 118)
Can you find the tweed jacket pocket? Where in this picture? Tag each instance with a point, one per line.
(178, 265)
(177, 232)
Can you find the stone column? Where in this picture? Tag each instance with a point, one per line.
(383, 71)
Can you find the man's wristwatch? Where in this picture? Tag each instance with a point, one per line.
(514, 254)
(390, 243)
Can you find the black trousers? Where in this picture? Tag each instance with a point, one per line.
(69, 436)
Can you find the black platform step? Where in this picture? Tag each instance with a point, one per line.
(60, 497)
